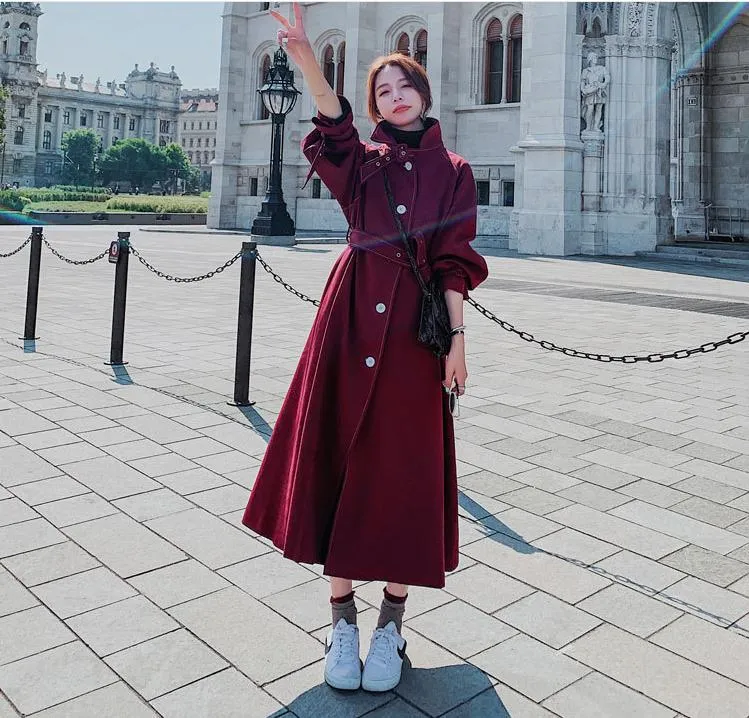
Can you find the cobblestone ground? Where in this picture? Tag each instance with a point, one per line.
(605, 508)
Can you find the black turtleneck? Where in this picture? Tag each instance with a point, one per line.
(412, 138)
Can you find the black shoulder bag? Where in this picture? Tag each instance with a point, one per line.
(434, 323)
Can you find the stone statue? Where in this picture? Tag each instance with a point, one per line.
(593, 88)
(80, 82)
(113, 87)
(97, 86)
(63, 78)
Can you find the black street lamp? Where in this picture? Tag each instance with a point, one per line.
(279, 97)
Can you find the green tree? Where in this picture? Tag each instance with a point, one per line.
(79, 149)
(179, 168)
(136, 161)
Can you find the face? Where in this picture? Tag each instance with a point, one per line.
(398, 102)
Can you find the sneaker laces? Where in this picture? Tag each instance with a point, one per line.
(343, 640)
(384, 645)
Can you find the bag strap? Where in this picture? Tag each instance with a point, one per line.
(404, 236)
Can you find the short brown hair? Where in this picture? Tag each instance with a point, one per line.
(415, 73)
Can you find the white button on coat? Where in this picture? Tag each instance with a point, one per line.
(408, 166)
(380, 308)
(370, 362)
(401, 209)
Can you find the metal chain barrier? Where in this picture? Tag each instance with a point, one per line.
(76, 262)
(171, 278)
(284, 284)
(626, 359)
(17, 250)
(526, 336)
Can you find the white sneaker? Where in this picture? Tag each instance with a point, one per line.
(342, 663)
(382, 669)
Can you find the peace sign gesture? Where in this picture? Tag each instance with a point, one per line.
(297, 44)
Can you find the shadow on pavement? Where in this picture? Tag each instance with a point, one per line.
(494, 528)
(121, 375)
(464, 690)
(257, 422)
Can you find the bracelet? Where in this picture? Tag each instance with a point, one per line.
(458, 330)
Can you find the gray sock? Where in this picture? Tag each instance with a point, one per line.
(391, 611)
(345, 610)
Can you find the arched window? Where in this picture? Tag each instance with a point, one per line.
(263, 113)
(205, 157)
(328, 65)
(47, 140)
(420, 55)
(494, 63)
(18, 136)
(25, 26)
(402, 46)
(189, 157)
(340, 70)
(514, 58)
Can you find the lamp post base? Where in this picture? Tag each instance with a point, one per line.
(274, 240)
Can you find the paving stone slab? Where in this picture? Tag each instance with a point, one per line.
(13, 511)
(84, 591)
(660, 674)
(50, 563)
(113, 700)
(575, 545)
(707, 565)
(47, 439)
(499, 701)
(159, 428)
(60, 456)
(269, 574)
(110, 478)
(478, 632)
(121, 625)
(15, 422)
(27, 536)
(39, 492)
(530, 667)
(547, 619)
(162, 464)
(616, 530)
(193, 480)
(19, 465)
(710, 602)
(595, 696)
(165, 663)
(626, 566)
(653, 493)
(152, 504)
(76, 509)
(722, 651)
(31, 631)
(124, 545)
(630, 610)
(221, 500)
(636, 467)
(138, 449)
(709, 512)
(547, 573)
(227, 694)
(178, 583)
(597, 497)
(680, 527)
(53, 676)
(248, 634)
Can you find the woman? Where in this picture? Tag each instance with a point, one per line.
(360, 474)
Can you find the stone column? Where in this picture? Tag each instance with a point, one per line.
(110, 128)
(549, 220)
(637, 156)
(60, 128)
(696, 169)
(443, 56)
(222, 208)
(592, 155)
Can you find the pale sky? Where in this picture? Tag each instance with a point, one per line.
(106, 39)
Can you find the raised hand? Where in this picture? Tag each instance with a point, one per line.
(293, 38)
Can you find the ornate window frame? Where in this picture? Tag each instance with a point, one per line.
(255, 105)
(411, 25)
(505, 13)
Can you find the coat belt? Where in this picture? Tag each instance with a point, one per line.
(392, 251)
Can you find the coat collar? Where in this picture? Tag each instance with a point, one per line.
(432, 138)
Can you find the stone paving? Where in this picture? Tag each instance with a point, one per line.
(604, 508)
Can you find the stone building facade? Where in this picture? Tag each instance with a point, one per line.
(41, 108)
(592, 128)
(197, 129)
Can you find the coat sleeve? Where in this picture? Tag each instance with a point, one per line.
(459, 266)
(335, 153)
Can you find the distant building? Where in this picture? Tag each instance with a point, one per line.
(198, 115)
(41, 108)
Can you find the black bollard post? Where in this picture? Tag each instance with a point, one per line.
(122, 255)
(32, 294)
(244, 326)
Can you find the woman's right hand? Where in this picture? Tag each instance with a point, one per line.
(297, 45)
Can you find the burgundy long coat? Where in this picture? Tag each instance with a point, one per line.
(359, 474)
